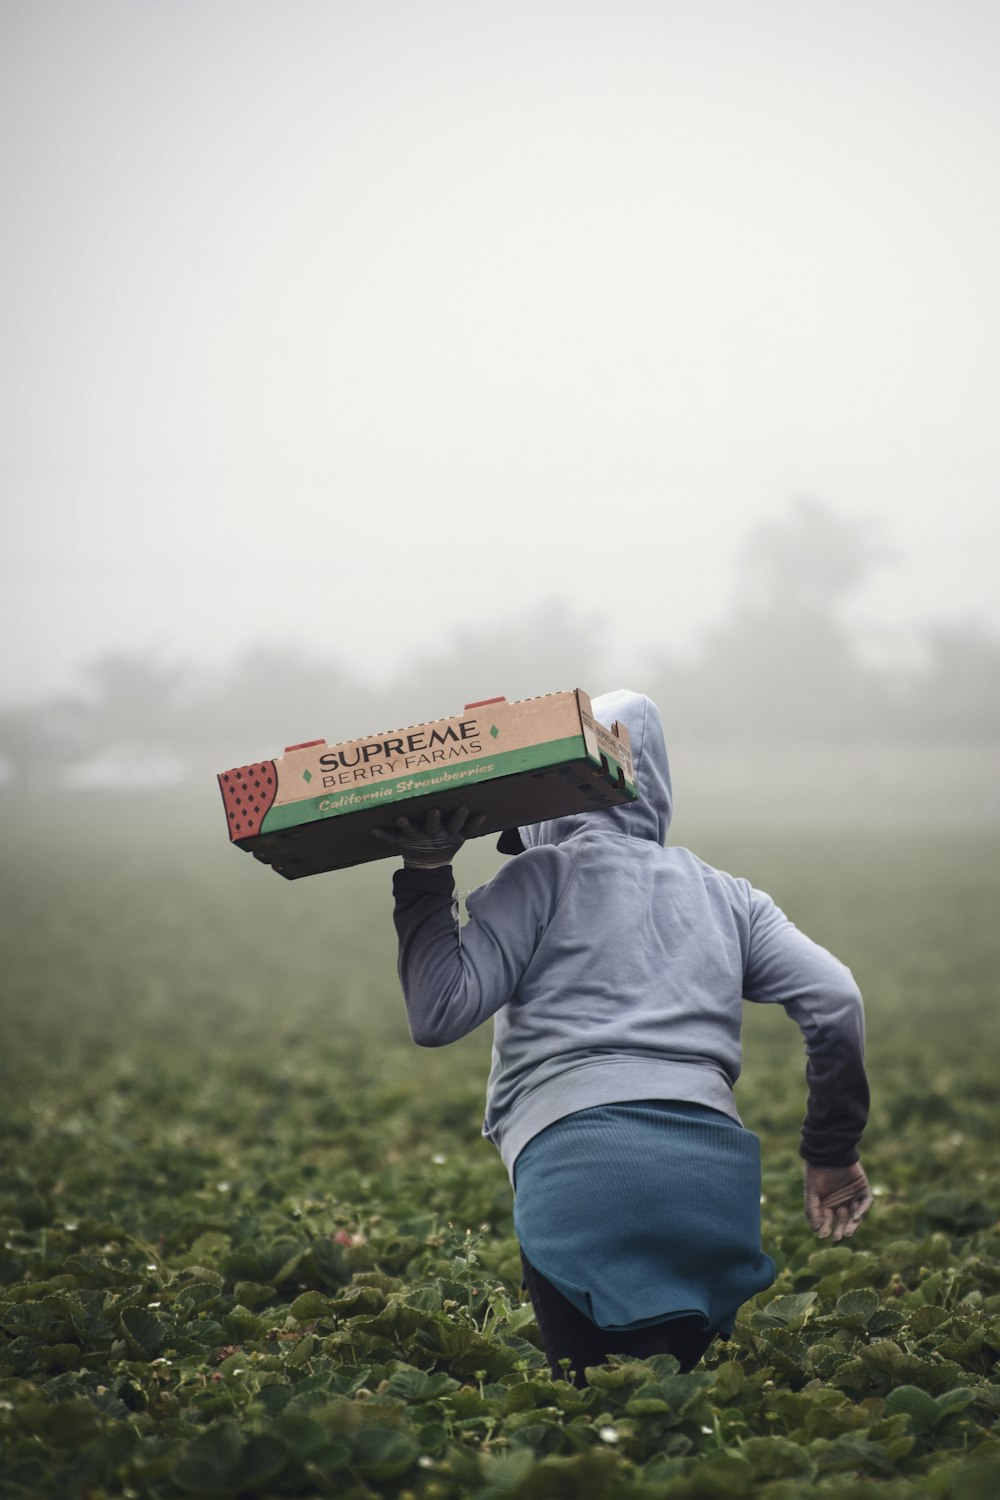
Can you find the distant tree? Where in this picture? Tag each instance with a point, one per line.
(545, 649)
(22, 743)
(808, 563)
(783, 663)
(956, 695)
(133, 699)
(37, 742)
(273, 695)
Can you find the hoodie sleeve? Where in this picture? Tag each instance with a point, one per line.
(454, 979)
(785, 967)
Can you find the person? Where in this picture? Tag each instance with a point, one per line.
(615, 969)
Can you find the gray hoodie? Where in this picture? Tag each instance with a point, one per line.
(615, 969)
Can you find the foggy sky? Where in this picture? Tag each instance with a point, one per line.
(347, 323)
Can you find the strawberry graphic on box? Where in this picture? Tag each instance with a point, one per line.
(247, 794)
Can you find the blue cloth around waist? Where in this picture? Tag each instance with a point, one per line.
(645, 1211)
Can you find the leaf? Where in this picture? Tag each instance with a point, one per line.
(432, 1437)
(206, 1333)
(288, 1267)
(398, 1251)
(144, 1333)
(830, 1259)
(199, 1297)
(505, 1474)
(963, 1351)
(209, 1462)
(466, 1352)
(357, 1299)
(86, 1314)
(93, 1272)
(527, 1356)
(782, 1311)
(210, 1246)
(959, 1211)
(264, 1260)
(253, 1293)
(954, 1401)
(857, 1308)
(645, 1406)
(65, 1424)
(775, 1458)
(301, 1434)
(543, 1435)
(852, 1450)
(985, 1271)
(923, 1320)
(242, 1325)
(193, 1276)
(886, 1320)
(332, 1265)
(921, 1408)
(728, 1478)
(39, 1320)
(262, 1459)
(682, 1392)
(611, 1377)
(382, 1453)
(300, 1353)
(21, 1355)
(396, 1321)
(427, 1298)
(309, 1306)
(274, 1398)
(521, 1317)
(218, 1463)
(412, 1385)
(975, 1480)
(730, 1380)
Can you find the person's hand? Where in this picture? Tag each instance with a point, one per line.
(429, 847)
(836, 1199)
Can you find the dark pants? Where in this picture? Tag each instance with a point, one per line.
(567, 1334)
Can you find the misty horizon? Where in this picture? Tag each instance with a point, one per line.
(352, 330)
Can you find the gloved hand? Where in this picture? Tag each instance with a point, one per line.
(836, 1199)
(429, 847)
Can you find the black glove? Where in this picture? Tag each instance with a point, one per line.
(430, 847)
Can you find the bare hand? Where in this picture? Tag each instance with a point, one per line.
(429, 847)
(836, 1199)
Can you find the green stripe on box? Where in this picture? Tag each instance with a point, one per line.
(337, 801)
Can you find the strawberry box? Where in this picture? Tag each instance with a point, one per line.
(313, 808)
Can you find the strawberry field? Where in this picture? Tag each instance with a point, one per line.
(253, 1244)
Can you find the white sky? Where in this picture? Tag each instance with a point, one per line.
(345, 323)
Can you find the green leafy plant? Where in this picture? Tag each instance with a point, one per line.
(251, 1249)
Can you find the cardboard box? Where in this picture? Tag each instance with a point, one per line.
(313, 808)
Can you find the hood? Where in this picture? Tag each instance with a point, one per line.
(649, 816)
